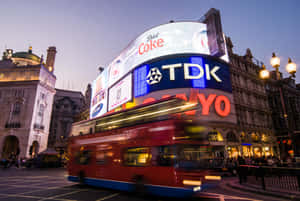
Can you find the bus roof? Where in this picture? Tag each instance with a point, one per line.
(148, 112)
(134, 108)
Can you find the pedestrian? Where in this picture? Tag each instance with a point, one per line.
(242, 170)
(270, 161)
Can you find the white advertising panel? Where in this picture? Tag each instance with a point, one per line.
(120, 93)
(167, 39)
(99, 95)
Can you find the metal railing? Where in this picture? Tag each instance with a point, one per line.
(286, 178)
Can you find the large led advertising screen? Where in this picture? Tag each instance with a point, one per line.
(167, 39)
(157, 43)
(183, 71)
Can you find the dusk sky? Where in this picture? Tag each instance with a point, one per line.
(91, 33)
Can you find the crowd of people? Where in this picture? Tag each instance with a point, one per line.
(232, 164)
(261, 161)
(11, 160)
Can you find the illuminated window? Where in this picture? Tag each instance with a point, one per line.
(243, 136)
(255, 137)
(140, 81)
(102, 156)
(138, 156)
(264, 137)
(197, 83)
(215, 136)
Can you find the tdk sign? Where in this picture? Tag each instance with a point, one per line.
(154, 75)
(182, 72)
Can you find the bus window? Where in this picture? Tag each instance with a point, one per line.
(195, 156)
(102, 156)
(164, 156)
(83, 157)
(138, 156)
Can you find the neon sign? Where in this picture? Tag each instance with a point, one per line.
(220, 103)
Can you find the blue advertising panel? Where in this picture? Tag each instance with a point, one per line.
(181, 72)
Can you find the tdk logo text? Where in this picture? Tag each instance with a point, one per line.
(154, 75)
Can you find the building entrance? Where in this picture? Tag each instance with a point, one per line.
(10, 147)
(34, 148)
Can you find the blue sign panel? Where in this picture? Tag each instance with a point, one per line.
(181, 72)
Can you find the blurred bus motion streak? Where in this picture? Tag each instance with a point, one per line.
(151, 148)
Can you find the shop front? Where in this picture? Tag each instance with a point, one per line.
(233, 151)
(247, 150)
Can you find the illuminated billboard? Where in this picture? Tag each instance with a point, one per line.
(169, 56)
(120, 93)
(181, 72)
(167, 39)
(99, 95)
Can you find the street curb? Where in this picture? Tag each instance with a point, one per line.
(262, 192)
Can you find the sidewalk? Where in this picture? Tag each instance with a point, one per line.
(292, 195)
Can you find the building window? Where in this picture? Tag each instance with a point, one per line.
(231, 137)
(255, 137)
(243, 136)
(16, 108)
(215, 136)
(13, 125)
(41, 110)
(264, 138)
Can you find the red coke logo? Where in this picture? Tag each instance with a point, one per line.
(152, 43)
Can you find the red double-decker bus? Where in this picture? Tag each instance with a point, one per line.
(146, 149)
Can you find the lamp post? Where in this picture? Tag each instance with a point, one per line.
(291, 69)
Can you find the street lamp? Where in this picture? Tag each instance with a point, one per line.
(275, 61)
(291, 69)
(264, 73)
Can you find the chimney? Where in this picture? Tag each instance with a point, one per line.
(51, 52)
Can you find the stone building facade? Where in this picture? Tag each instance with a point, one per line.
(284, 102)
(254, 121)
(26, 96)
(67, 106)
(85, 113)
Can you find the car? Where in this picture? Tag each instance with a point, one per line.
(44, 161)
